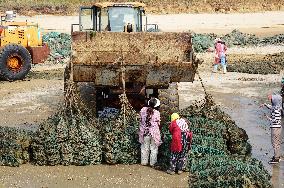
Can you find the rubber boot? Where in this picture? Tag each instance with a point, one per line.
(225, 69)
(215, 68)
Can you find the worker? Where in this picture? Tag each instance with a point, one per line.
(149, 132)
(180, 145)
(275, 125)
(220, 55)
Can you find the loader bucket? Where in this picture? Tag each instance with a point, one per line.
(150, 59)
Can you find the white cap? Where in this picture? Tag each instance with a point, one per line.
(217, 40)
(157, 102)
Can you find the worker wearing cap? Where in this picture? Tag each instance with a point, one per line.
(220, 55)
(180, 145)
(149, 132)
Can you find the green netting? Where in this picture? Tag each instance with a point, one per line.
(217, 167)
(120, 138)
(218, 143)
(211, 133)
(59, 44)
(228, 181)
(201, 42)
(231, 169)
(205, 163)
(206, 110)
(68, 137)
(14, 146)
(67, 141)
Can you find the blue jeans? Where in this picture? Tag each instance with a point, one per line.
(223, 63)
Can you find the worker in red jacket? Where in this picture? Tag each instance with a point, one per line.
(180, 145)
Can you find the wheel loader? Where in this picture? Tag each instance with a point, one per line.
(113, 52)
(20, 46)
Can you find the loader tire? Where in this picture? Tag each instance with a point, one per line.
(169, 101)
(15, 62)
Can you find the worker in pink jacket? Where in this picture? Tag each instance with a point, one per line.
(149, 132)
(220, 55)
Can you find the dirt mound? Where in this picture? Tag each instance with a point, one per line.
(64, 7)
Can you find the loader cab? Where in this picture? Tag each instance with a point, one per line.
(112, 17)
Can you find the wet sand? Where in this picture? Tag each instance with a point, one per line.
(105, 176)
